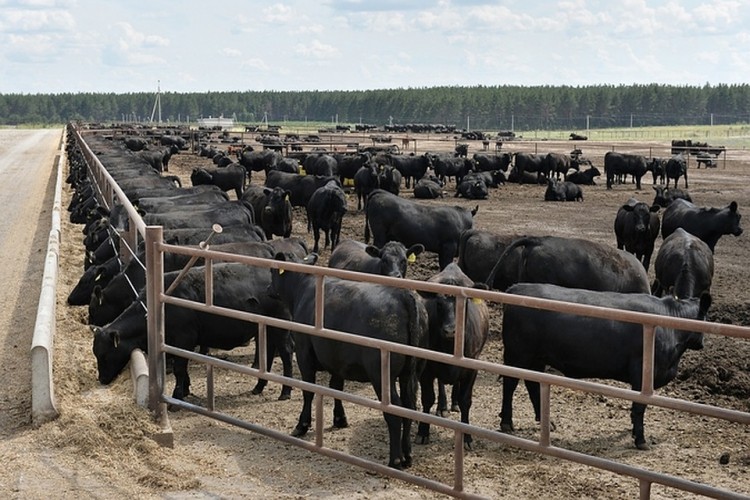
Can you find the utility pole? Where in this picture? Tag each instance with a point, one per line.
(157, 103)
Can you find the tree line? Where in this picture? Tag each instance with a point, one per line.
(481, 107)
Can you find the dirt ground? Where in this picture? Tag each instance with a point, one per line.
(99, 447)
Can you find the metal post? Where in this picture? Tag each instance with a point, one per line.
(155, 320)
(649, 339)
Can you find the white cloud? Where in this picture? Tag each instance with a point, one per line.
(317, 50)
(278, 13)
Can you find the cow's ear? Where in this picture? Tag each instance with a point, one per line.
(474, 212)
(627, 207)
(655, 208)
(373, 251)
(280, 256)
(415, 250)
(311, 258)
(733, 206)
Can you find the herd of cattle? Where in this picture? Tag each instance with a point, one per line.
(258, 222)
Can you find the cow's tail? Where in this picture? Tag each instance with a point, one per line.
(463, 238)
(367, 221)
(528, 243)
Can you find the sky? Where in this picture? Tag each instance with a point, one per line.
(103, 46)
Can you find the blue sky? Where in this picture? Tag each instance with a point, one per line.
(55, 46)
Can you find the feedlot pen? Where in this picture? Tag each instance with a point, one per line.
(158, 400)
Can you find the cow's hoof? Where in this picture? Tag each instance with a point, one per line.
(641, 444)
(443, 413)
(340, 423)
(284, 396)
(257, 390)
(422, 439)
(299, 431)
(455, 409)
(506, 427)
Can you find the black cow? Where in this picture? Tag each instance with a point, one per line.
(558, 164)
(437, 228)
(236, 286)
(300, 187)
(390, 260)
(173, 140)
(571, 262)
(684, 266)
(534, 163)
(366, 180)
(622, 164)
(675, 168)
(472, 188)
(100, 275)
(490, 163)
(107, 302)
(441, 310)
(451, 166)
(410, 166)
(585, 347)
(529, 177)
(492, 178)
(562, 191)
(230, 213)
(325, 211)
(348, 165)
(158, 159)
(135, 143)
(585, 177)
(428, 187)
(478, 251)
(272, 209)
(656, 167)
(636, 228)
(362, 309)
(258, 161)
(320, 164)
(390, 179)
(231, 177)
(708, 224)
(664, 195)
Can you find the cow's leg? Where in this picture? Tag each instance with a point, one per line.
(285, 349)
(393, 422)
(442, 399)
(686, 181)
(506, 413)
(408, 399)
(316, 236)
(637, 412)
(533, 389)
(261, 384)
(181, 377)
(327, 233)
(427, 390)
(339, 414)
(464, 389)
(307, 373)
(446, 254)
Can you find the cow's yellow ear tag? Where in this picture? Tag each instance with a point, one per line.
(281, 271)
(286, 198)
(477, 300)
(412, 258)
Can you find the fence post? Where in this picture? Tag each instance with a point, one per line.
(155, 324)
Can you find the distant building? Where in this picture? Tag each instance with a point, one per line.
(221, 122)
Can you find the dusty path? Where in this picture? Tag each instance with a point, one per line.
(26, 160)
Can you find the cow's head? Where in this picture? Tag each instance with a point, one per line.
(111, 355)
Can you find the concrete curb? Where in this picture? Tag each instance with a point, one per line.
(43, 408)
